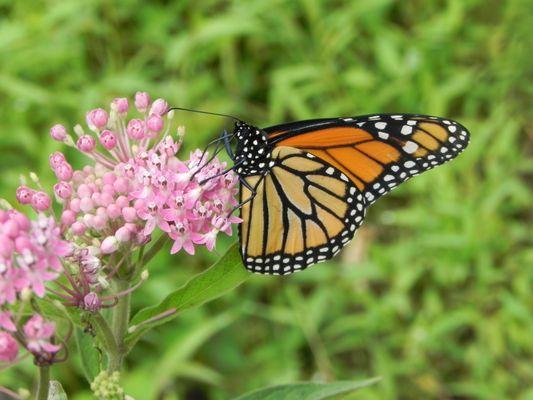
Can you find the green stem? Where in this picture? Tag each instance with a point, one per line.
(119, 324)
(44, 383)
(155, 248)
(108, 339)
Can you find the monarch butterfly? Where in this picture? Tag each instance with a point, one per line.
(306, 185)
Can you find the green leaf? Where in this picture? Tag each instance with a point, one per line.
(89, 355)
(307, 391)
(55, 310)
(177, 360)
(226, 274)
(56, 392)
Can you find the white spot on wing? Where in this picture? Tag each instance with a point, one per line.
(406, 130)
(410, 147)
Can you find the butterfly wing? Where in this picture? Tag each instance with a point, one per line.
(304, 211)
(377, 152)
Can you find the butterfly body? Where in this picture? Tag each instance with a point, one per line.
(306, 185)
(253, 152)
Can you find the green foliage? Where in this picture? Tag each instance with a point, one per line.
(90, 356)
(225, 275)
(307, 391)
(435, 292)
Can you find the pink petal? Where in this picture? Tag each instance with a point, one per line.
(188, 247)
(178, 244)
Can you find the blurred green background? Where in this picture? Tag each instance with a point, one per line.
(434, 295)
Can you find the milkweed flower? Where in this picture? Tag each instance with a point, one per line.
(30, 253)
(137, 183)
(134, 188)
(38, 334)
(9, 347)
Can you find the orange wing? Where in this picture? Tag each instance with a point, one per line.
(376, 152)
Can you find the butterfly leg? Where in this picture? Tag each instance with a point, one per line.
(253, 193)
(221, 173)
(224, 138)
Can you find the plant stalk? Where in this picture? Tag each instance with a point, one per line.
(43, 383)
(119, 324)
(108, 339)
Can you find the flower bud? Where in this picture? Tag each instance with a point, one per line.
(6, 251)
(41, 201)
(113, 211)
(8, 347)
(154, 123)
(84, 190)
(159, 107)
(97, 118)
(142, 101)
(86, 143)
(11, 229)
(121, 185)
(129, 214)
(24, 194)
(86, 204)
(63, 190)
(56, 159)
(106, 386)
(58, 132)
(109, 245)
(109, 178)
(99, 222)
(123, 234)
(64, 172)
(136, 129)
(121, 105)
(74, 204)
(68, 217)
(78, 228)
(91, 302)
(108, 139)
(22, 220)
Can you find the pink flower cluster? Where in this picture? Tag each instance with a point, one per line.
(30, 253)
(36, 335)
(138, 183)
(134, 185)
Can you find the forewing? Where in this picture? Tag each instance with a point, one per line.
(376, 152)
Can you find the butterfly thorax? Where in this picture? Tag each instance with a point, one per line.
(253, 153)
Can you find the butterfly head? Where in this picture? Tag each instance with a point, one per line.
(253, 153)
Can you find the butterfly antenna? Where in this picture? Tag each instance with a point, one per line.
(205, 112)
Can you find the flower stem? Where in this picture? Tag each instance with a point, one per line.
(106, 335)
(119, 323)
(10, 393)
(154, 249)
(44, 383)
